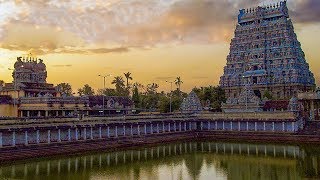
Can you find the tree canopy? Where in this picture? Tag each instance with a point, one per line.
(86, 90)
(65, 88)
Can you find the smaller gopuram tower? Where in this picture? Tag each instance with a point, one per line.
(266, 55)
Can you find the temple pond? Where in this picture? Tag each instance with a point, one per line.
(185, 160)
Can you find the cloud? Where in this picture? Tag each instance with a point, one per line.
(62, 65)
(307, 11)
(84, 26)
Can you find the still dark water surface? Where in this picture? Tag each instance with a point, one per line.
(191, 160)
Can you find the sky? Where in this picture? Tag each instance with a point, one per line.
(155, 40)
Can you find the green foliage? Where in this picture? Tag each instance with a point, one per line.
(86, 90)
(1, 83)
(135, 95)
(128, 77)
(267, 94)
(107, 92)
(178, 82)
(120, 87)
(65, 88)
(214, 95)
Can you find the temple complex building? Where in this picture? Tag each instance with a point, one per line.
(29, 95)
(265, 55)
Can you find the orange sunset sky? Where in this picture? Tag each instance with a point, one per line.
(155, 40)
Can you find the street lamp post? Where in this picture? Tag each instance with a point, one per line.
(104, 87)
(170, 95)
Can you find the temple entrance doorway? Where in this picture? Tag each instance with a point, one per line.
(257, 93)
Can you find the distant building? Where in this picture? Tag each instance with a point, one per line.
(112, 105)
(29, 95)
(266, 54)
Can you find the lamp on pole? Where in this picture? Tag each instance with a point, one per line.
(104, 87)
(170, 94)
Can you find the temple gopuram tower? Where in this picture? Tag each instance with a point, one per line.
(266, 55)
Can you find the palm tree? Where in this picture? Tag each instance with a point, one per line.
(128, 77)
(178, 82)
(119, 83)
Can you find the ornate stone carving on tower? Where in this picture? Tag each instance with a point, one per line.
(191, 104)
(29, 70)
(266, 54)
(247, 101)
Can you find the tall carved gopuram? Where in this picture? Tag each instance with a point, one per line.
(266, 55)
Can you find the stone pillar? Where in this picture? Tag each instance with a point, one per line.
(108, 132)
(231, 123)
(293, 128)
(49, 137)
(169, 127)
(209, 125)
(180, 126)
(247, 126)
(69, 135)
(57, 113)
(216, 125)
(201, 125)
(163, 127)
(26, 138)
(158, 129)
(151, 127)
(138, 130)
(222, 125)
(76, 131)
(239, 127)
(312, 118)
(272, 126)
(38, 136)
(264, 126)
(13, 138)
(174, 127)
(91, 133)
(28, 113)
(189, 126)
(255, 126)
(131, 130)
(185, 126)
(116, 131)
(84, 133)
(124, 130)
(39, 113)
(100, 133)
(1, 140)
(63, 113)
(59, 135)
(282, 126)
(46, 113)
(145, 128)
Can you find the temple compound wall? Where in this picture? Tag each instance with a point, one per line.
(266, 55)
(56, 131)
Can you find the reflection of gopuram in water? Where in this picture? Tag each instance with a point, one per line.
(230, 160)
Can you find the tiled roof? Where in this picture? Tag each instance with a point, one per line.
(276, 104)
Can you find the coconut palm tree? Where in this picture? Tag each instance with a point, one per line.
(178, 82)
(128, 77)
(119, 83)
